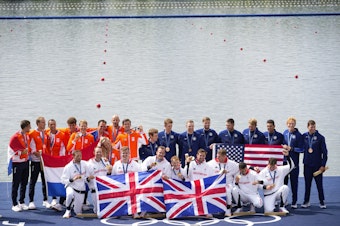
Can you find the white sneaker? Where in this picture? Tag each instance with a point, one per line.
(228, 213)
(238, 210)
(54, 202)
(252, 208)
(85, 207)
(16, 208)
(283, 209)
(323, 205)
(294, 206)
(23, 206)
(31, 206)
(67, 214)
(46, 204)
(305, 205)
(58, 207)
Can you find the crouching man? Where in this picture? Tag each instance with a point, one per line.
(74, 177)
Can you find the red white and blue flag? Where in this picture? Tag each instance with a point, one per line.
(54, 166)
(13, 147)
(234, 151)
(126, 194)
(258, 154)
(195, 198)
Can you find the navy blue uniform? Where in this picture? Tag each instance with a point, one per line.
(313, 159)
(168, 141)
(275, 138)
(295, 141)
(231, 137)
(148, 150)
(188, 144)
(207, 137)
(254, 137)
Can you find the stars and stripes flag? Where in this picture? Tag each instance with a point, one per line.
(258, 154)
(194, 198)
(129, 193)
(234, 151)
(252, 154)
(53, 169)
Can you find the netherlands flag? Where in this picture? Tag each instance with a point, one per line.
(54, 166)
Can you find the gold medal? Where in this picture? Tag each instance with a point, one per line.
(167, 149)
(310, 150)
(190, 150)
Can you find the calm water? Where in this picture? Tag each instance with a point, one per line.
(183, 68)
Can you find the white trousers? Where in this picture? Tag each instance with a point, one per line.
(269, 200)
(255, 199)
(77, 198)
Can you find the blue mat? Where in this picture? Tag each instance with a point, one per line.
(310, 216)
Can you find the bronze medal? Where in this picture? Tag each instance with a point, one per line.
(167, 149)
(310, 150)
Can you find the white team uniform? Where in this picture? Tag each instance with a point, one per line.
(121, 168)
(232, 169)
(163, 165)
(246, 190)
(275, 177)
(96, 169)
(198, 170)
(75, 190)
(174, 173)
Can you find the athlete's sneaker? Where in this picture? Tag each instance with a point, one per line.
(58, 207)
(252, 208)
(67, 214)
(228, 212)
(238, 210)
(283, 209)
(305, 205)
(209, 215)
(23, 206)
(323, 205)
(46, 204)
(31, 206)
(135, 216)
(54, 202)
(294, 206)
(16, 208)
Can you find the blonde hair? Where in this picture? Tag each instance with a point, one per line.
(253, 121)
(291, 118)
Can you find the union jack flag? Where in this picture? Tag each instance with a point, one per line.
(234, 151)
(129, 193)
(194, 198)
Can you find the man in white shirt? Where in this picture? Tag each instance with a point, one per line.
(222, 164)
(246, 188)
(158, 162)
(125, 164)
(274, 187)
(198, 168)
(97, 166)
(74, 176)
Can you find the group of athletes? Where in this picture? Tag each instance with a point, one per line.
(182, 156)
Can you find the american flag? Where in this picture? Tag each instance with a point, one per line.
(252, 154)
(258, 154)
(234, 151)
(129, 193)
(194, 198)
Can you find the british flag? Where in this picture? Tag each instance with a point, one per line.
(195, 198)
(129, 193)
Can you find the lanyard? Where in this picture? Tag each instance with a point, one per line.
(153, 149)
(251, 137)
(189, 140)
(271, 176)
(290, 136)
(167, 140)
(310, 140)
(231, 137)
(25, 139)
(206, 138)
(125, 170)
(78, 169)
(270, 138)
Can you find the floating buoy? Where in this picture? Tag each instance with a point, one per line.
(102, 79)
(264, 60)
(241, 49)
(104, 62)
(296, 76)
(98, 105)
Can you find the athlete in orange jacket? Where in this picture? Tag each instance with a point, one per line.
(131, 138)
(56, 139)
(81, 139)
